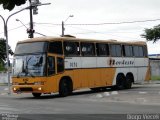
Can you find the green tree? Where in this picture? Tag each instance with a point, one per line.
(10, 4)
(3, 55)
(152, 34)
(1, 66)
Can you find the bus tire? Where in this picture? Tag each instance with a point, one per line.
(36, 94)
(64, 88)
(120, 82)
(129, 81)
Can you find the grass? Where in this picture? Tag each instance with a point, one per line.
(155, 77)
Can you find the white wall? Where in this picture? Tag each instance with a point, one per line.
(155, 67)
(3, 77)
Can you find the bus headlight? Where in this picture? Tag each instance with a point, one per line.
(39, 83)
(14, 89)
(39, 88)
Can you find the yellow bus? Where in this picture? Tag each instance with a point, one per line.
(48, 65)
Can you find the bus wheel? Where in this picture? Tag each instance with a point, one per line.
(120, 82)
(36, 94)
(128, 83)
(64, 89)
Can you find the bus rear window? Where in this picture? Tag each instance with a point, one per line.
(32, 47)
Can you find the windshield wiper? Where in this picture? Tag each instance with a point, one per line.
(29, 73)
(19, 74)
(26, 68)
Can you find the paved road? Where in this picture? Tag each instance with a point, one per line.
(140, 99)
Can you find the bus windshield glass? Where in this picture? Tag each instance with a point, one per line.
(29, 65)
(32, 47)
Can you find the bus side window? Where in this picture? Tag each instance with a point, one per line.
(116, 50)
(60, 64)
(145, 51)
(141, 53)
(55, 47)
(88, 49)
(138, 51)
(51, 65)
(71, 48)
(102, 49)
(127, 50)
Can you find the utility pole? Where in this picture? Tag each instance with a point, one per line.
(33, 10)
(7, 52)
(31, 31)
(63, 28)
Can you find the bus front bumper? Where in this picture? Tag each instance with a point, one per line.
(28, 88)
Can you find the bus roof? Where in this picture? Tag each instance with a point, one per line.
(41, 39)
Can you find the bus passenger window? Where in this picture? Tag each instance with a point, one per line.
(145, 51)
(60, 65)
(51, 65)
(87, 49)
(71, 48)
(128, 51)
(116, 50)
(55, 47)
(141, 54)
(102, 49)
(138, 51)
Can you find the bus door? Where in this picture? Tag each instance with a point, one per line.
(51, 70)
(55, 66)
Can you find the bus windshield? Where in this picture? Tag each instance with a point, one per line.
(29, 65)
(32, 47)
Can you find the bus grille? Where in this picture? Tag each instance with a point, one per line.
(26, 84)
(26, 89)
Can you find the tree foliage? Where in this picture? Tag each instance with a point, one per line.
(3, 55)
(152, 34)
(10, 4)
(2, 68)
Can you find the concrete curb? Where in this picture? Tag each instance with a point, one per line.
(152, 82)
(3, 84)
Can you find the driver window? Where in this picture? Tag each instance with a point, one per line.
(51, 65)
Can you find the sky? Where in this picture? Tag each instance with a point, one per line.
(49, 18)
